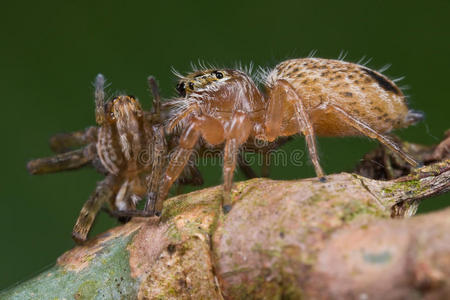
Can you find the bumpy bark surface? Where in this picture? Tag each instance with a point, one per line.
(298, 239)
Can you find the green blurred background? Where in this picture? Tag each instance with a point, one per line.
(51, 52)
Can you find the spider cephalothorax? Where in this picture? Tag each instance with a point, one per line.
(125, 135)
(214, 93)
(311, 96)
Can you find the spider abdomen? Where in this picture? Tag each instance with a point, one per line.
(364, 94)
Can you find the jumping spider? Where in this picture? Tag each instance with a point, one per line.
(128, 146)
(312, 96)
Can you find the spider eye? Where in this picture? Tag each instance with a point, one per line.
(191, 85)
(181, 89)
(219, 75)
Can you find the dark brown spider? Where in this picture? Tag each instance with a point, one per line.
(128, 146)
(311, 96)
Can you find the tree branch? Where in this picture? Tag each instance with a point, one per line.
(282, 239)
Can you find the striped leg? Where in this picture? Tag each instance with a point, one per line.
(61, 162)
(104, 192)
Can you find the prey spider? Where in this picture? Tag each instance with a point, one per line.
(311, 96)
(128, 146)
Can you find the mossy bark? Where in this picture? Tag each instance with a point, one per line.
(298, 239)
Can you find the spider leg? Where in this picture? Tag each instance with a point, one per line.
(64, 142)
(178, 161)
(175, 121)
(104, 192)
(238, 133)
(152, 182)
(274, 114)
(308, 132)
(64, 161)
(368, 131)
(158, 153)
(283, 91)
(229, 165)
(212, 131)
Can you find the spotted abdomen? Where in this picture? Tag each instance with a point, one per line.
(363, 93)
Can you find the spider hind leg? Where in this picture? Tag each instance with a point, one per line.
(370, 132)
(284, 92)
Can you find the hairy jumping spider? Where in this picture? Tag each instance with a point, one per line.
(311, 96)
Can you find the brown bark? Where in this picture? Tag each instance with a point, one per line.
(301, 239)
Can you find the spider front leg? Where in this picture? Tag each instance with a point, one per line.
(238, 132)
(104, 192)
(178, 161)
(368, 131)
(64, 142)
(64, 161)
(211, 129)
(283, 92)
